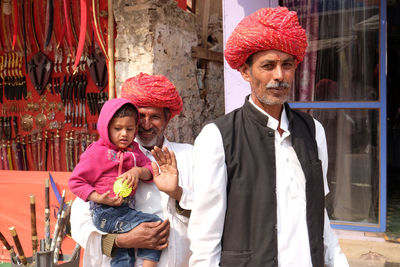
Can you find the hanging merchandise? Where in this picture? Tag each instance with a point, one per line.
(53, 75)
(39, 69)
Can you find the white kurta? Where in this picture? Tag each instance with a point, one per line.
(209, 207)
(150, 200)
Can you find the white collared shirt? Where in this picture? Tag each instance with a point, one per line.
(150, 200)
(210, 180)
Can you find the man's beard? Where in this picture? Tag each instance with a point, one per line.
(150, 143)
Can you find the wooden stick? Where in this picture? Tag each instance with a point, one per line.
(10, 249)
(46, 217)
(18, 245)
(33, 225)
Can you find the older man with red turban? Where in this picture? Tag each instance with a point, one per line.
(260, 171)
(158, 101)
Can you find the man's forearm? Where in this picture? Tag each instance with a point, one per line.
(177, 194)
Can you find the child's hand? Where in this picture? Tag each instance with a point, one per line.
(131, 177)
(105, 199)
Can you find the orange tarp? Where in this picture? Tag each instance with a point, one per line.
(15, 189)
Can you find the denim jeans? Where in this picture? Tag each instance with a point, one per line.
(122, 219)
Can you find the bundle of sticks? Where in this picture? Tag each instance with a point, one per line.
(50, 243)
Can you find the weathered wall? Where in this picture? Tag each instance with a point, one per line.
(156, 37)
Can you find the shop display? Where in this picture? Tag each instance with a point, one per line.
(53, 80)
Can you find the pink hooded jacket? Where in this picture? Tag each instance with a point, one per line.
(98, 165)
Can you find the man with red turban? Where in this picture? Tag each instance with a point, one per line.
(260, 171)
(158, 102)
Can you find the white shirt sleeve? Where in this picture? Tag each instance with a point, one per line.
(333, 254)
(86, 235)
(208, 214)
(322, 152)
(185, 167)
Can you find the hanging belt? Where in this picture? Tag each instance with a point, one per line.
(49, 21)
(71, 18)
(68, 25)
(15, 17)
(97, 28)
(4, 32)
(24, 36)
(39, 23)
(82, 34)
(33, 24)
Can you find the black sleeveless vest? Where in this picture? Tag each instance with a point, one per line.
(250, 231)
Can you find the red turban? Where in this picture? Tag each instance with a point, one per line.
(266, 29)
(146, 90)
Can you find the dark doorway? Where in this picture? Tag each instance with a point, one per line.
(393, 121)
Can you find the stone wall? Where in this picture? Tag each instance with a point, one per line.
(156, 37)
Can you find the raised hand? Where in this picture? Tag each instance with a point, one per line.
(105, 199)
(165, 172)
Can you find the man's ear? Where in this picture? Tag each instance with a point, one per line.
(245, 72)
(167, 114)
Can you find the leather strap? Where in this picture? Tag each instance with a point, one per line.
(49, 21)
(33, 24)
(15, 26)
(68, 25)
(4, 32)
(58, 11)
(24, 36)
(39, 22)
(71, 17)
(97, 28)
(82, 34)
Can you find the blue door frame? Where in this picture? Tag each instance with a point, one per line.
(381, 105)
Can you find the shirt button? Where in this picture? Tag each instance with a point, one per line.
(271, 133)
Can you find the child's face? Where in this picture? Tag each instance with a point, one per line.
(122, 131)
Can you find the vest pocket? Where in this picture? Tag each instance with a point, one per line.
(235, 258)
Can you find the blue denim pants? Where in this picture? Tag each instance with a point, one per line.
(122, 219)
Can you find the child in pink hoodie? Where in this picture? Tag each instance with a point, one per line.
(115, 155)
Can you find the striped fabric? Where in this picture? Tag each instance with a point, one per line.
(146, 90)
(266, 29)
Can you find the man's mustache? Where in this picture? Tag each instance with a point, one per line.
(274, 85)
(151, 131)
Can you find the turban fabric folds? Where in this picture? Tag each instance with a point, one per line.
(146, 90)
(266, 29)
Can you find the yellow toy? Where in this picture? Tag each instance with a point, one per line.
(121, 189)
